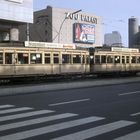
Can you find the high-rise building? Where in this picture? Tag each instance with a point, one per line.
(134, 32)
(113, 39)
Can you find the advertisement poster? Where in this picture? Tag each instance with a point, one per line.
(84, 33)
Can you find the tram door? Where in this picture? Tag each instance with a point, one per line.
(10, 61)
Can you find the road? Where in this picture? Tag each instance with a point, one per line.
(94, 113)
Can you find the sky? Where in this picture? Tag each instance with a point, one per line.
(114, 13)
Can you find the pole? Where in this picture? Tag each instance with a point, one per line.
(28, 32)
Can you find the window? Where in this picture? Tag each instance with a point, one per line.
(83, 59)
(55, 58)
(109, 59)
(1, 58)
(97, 59)
(127, 59)
(23, 58)
(117, 59)
(76, 58)
(133, 59)
(123, 59)
(103, 59)
(138, 59)
(47, 58)
(66, 58)
(36, 58)
(8, 58)
(87, 59)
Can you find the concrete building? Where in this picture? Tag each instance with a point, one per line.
(113, 39)
(67, 26)
(12, 14)
(134, 32)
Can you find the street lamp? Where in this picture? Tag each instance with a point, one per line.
(63, 23)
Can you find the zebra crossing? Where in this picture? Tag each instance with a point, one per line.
(13, 118)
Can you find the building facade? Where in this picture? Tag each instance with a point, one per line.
(113, 39)
(59, 25)
(12, 14)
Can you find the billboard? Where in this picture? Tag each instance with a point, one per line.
(84, 33)
(17, 10)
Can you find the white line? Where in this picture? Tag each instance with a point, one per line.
(6, 106)
(135, 114)
(132, 136)
(75, 101)
(35, 121)
(92, 132)
(48, 129)
(129, 93)
(15, 110)
(24, 115)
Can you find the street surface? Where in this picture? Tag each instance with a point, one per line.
(110, 112)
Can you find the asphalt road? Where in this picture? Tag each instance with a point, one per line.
(94, 113)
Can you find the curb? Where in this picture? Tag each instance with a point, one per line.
(63, 86)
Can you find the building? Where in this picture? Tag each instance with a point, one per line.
(65, 26)
(113, 39)
(134, 32)
(12, 14)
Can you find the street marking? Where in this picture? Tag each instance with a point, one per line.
(75, 101)
(135, 114)
(51, 128)
(35, 121)
(92, 132)
(6, 106)
(14, 110)
(24, 115)
(131, 136)
(129, 93)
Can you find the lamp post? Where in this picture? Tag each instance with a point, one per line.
(63, 23)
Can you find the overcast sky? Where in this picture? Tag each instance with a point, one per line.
(114, 13)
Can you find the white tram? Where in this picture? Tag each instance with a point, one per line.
(37, 60)
(115, 60)
(44, 59)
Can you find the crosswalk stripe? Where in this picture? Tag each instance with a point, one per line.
(92, 132)
(24, 115)
(5, 106)
(132, 136)
(14, 110)
(135, 114)
(51, 128)
(35, 121)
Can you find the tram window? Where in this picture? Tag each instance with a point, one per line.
(87, 59)
(23, 58)
(109, 59)
(138, 59)
(66, 58)
(123, 59)
(47, 58)
(55, 58)
(117, 59)
(103, 59)
(133, 59)
(83, 59)
(36, 58)
(97, 59)
(8, 58)
(76, 59)
(127, 59)
(1, 58)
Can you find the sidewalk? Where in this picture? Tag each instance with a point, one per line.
(62, 86)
